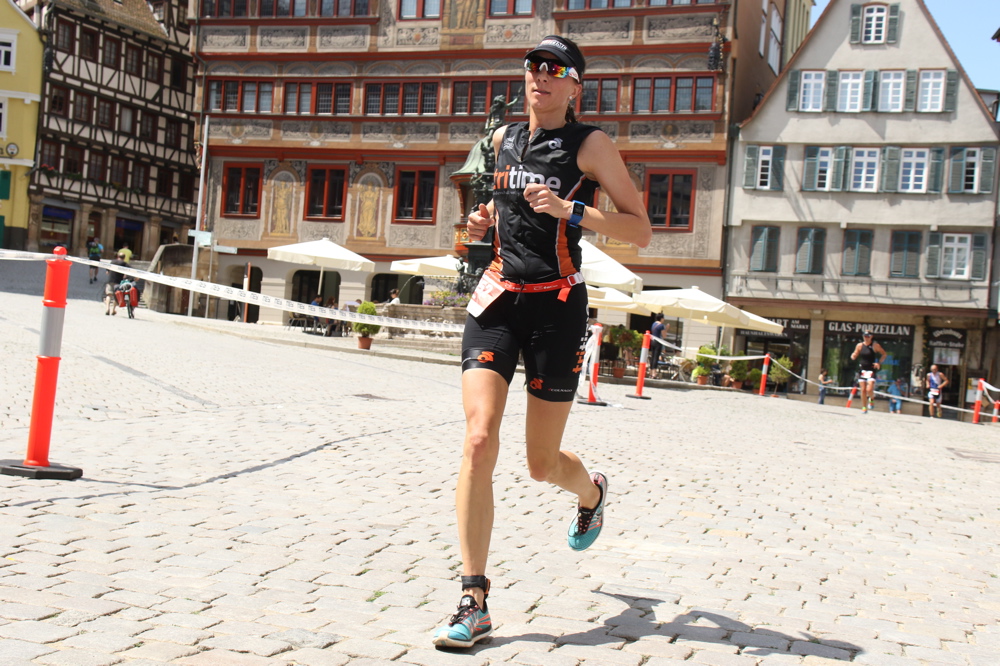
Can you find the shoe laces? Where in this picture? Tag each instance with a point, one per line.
(466, 607)
(583, 518)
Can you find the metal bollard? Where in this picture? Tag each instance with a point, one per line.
(36, 462)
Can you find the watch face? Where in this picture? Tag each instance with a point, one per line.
(578, 208)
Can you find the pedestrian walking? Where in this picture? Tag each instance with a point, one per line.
(658, 331)
(126, 253)
(114, 278)
(94, 250)
(531, 301)
(865, 353)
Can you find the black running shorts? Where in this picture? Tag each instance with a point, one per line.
(550, 335)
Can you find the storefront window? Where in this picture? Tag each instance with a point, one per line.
(793, 342)
(842, 337)
(57, 227)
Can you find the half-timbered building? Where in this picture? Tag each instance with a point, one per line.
(116, 156)
(349, 120)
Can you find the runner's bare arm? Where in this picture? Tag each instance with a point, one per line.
(600, 160)
(857, 350)
(482, 217)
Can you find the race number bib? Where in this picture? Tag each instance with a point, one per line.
(867, 374)
(486, 292)
(933, 393)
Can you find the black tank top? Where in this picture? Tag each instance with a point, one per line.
(867, 357)
(536, 247)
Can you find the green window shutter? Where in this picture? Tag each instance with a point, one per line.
(933, 254)
(892, 30)
(890, 168)
(978, 263)
(849, 262)
(910, 94)
(988, 168)
(956, 174)
(856, 24)
(778, 168)
(771, 261)
(864, 253)
(810, 171)
(935, 171)
(4, 184)
(758, 248)
(818, 251)
(869, 100)
(794, 78)
(904, 261)
(951, 90)
(897, 259)
(840, 156)
(750, 167)
(803, 253)
(912, 266)
(832, 83)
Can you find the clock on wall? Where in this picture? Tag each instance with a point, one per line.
(12, 149)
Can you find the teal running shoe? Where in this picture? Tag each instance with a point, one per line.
(468, 625)
(587, 524)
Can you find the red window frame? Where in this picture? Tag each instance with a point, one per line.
(89, 43)
(59, 101)
(311, 183)
(111, 52)
(423, 92)
(50, 154)
(296, 8)
(224, 9)
(133, 60)
(148, 124)
(172, 133)
(332, 8)
(140, 177)
(235, 181)
(511, 10)
(665, 224)
(73, 160)
(118, 171)
(601, 83)
(65, 36)
(105, 113)
(674, 85)
(419, 176)
(420, 14)
(97, 164)
(490, 89)
(154, 67)
(165, 183)
(83, 107)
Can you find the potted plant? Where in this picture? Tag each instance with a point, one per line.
(629, 344)
(705, 363)
(700, 374)
(364, 330)
(738, 371)
(777, 372)
(753, 377)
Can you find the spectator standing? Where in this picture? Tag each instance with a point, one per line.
(896, 391)
(126, 253)
(658, 331)
(824, 381)
(114, 278)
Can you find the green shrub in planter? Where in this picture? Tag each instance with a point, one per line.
(753, 377)
(739, 369)
(361, 328)
(776, 373)
(699, 371)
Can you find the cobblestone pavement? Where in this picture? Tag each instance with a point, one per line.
(250, 502)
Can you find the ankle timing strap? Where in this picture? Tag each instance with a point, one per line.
(469, 582)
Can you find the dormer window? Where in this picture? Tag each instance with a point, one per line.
(874, 24)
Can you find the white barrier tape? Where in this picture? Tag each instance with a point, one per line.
(809, 381)
(592, 349)
(732, 358)
(25, 256)
(665, 343)
(253, 298)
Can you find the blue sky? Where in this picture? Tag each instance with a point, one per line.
(968, 25)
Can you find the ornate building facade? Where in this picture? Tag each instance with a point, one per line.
(116, 156)
(347, 120)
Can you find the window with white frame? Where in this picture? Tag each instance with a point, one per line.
(813, 90)
(824, 165)
(850, 91)
(930, 95)
(774, 43)
(970, 170)
(762, 44)
(973, 170)
(864, 169)
(8, 47)
(891, 89)
(913, 164)
(3, 117)
(765, 168)
(874, 24)
(955, 256)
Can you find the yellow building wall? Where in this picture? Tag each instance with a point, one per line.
(20, 90)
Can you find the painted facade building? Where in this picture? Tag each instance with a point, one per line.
(348, 120)
(116, 158)
(20, 94)
(866, 199)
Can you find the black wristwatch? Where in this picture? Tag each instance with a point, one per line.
(576, 217)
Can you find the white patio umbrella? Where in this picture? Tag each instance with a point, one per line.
(323, 253)
(612, 299)
(601, 270)
(698, 306)
(446, 266)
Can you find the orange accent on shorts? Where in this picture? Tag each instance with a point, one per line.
(485, 357)
(536, 384)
